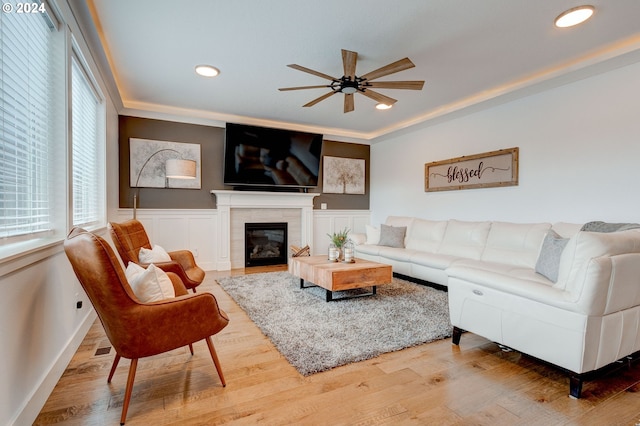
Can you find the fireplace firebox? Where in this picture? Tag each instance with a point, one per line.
(265, 244)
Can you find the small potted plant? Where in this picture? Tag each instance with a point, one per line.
(338, 239)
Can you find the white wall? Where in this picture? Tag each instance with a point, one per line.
(41, 330)
(40, 327)
(579, 158)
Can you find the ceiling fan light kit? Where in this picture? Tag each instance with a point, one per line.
(350, 84)
(207, 71)
(574, 16)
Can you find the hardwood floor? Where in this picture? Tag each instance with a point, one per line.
(438, 383)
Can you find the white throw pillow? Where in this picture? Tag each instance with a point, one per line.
(373, 234)
(155, 255)
(149, 285)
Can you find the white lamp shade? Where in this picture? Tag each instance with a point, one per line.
(180, 169)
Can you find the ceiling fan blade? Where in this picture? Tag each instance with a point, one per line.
(348, 103)
(410, 85)
(283, 89)
(321, 98)
(349, 60)
(378, 97)
(397, 66)
(310, 71)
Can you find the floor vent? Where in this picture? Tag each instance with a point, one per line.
(103, 351)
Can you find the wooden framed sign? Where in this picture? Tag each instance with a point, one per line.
(486, 170)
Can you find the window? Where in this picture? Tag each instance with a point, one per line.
(87, 153)
(29, 132)
(52, 133)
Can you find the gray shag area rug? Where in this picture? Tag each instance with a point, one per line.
(315, 335)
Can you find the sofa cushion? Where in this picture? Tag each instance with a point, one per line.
(392, 236)
(373, 234)
(401, 221)
(481, 267)
(548, 263)
(566, 229)
(372, 249)
(515, 243)
(433, 260)
(395, 253)
(536, 289)
(426, 235)
(465, 239)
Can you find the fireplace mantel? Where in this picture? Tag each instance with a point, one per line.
(257, 199)
(228, 200)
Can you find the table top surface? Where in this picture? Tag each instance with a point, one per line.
(323, 262)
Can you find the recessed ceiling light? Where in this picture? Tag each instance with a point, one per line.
(383, 106)
(207, 70)
(574, 16)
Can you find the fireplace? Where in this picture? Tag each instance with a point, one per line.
(265, 244)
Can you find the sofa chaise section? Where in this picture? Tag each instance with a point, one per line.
(584, 316)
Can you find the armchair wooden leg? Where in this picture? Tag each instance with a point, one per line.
(191, 348)
(129, 388)
(215, 360)
(113, 367)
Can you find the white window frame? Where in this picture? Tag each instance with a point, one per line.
(15, 242)
(25, 250)
(100, 145)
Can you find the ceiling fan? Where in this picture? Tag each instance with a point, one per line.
(350, 84)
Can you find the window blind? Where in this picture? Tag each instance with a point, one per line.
(87, 159)
(25, 124)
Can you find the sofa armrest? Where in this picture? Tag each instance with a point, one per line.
(358, 238)
(610, 284)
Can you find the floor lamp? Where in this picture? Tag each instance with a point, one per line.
(175, 168)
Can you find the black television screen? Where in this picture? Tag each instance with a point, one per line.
(262, 156)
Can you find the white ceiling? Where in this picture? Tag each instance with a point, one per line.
(467, 51)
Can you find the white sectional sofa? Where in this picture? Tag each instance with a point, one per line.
(583, 315)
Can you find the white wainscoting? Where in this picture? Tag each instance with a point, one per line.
(195, 230)
(192, 230)
(330, 221)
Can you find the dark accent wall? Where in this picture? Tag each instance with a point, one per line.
(211, 147)
(211, 140)
(345, 201)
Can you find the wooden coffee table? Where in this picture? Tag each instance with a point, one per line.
(338, 276)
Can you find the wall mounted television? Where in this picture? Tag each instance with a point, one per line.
(264, 157)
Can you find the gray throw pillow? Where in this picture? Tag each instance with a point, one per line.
(548, 263)
(392, 236)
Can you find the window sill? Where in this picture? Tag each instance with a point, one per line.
(22, 254)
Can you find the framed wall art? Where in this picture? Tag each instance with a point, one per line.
(343, 175)
(147, 163)
(486, 170)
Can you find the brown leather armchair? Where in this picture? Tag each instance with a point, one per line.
(129, 237)
(138, 330)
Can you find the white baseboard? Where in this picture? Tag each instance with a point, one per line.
(34, 404)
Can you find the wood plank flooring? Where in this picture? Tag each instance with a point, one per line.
(438, 383)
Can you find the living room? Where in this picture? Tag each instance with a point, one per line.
(575, 126)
